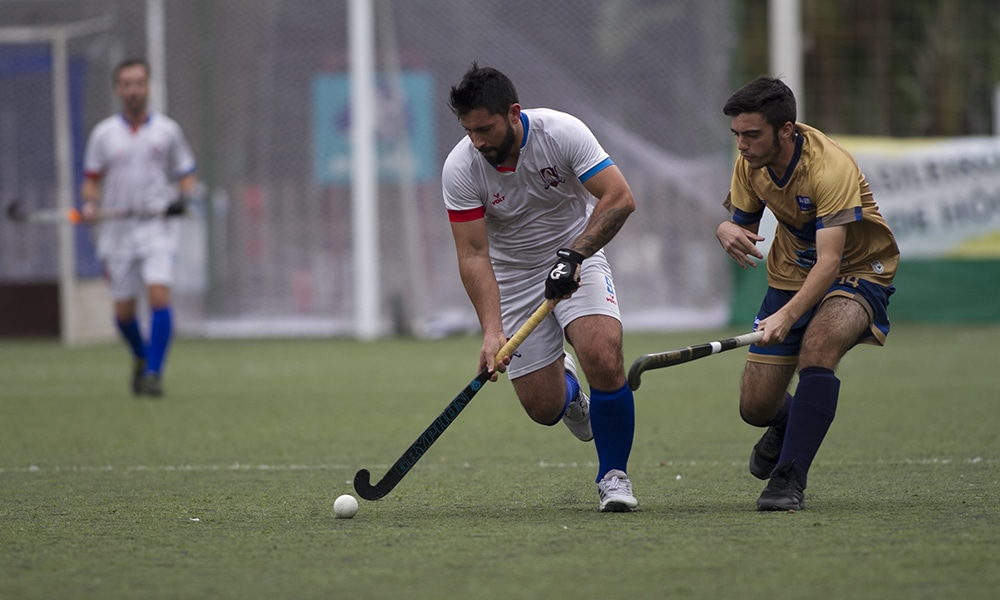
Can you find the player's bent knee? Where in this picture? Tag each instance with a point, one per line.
(758, 413)
(545, 415)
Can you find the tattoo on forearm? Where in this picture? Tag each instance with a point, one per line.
(602, 230)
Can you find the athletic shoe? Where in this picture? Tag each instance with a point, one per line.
(615, 491)
(765, 453)
(783, 491)
(152, 385)
(577, 415)
(138, 369)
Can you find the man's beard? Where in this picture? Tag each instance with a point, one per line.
(134, 105)
(503, 150)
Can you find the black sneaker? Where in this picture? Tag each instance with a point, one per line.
(138, 368)
(783, 491)
(152, 386)
(765, 453)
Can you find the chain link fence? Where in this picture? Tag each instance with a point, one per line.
(258, 86)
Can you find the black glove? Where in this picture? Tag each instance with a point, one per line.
(177, 208)
(564, 276)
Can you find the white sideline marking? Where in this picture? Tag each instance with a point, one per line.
(835, 463)
(168, 468)
(542, 463)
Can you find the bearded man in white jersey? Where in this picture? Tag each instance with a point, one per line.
(532, 199)
(138, 162)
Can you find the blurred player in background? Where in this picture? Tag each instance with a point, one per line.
(141, 162)
(519, 189)
(830, 270)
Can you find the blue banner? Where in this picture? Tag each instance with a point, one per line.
(404, 124)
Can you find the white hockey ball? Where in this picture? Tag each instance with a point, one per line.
(345, 507)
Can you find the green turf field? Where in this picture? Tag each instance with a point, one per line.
(224, 489)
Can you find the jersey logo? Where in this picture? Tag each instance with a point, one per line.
(497, 199)
(551, 177)
(877, 267)
(805, 203)
(806, 258)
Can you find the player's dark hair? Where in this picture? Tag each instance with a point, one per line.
(766, 95)
(130, 62)
(483, 87)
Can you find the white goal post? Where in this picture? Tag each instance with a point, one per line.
(83, 304)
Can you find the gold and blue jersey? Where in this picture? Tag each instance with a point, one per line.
(822, 187)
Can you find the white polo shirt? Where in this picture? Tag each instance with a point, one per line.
(138, 168)
(540, 206)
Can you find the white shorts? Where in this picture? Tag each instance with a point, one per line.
(137, 253)
(518, 301)
(129, 277)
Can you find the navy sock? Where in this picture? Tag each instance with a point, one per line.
(809, 418)
(133, 337)
(612, 417)
(160, 333)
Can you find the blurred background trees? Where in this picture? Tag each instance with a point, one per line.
(888, 67)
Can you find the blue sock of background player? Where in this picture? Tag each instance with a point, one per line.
(809, 418)
(160, 333)
(133, 337)
(612, 417)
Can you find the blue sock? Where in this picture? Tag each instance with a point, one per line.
(160, 333)
(612, 417)
(133, 337)
(809, 418)
(572, 389)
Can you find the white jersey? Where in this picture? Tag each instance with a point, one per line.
(540, 206)
(137, 168)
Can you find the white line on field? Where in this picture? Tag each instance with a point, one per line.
(33, 468)
(230, 467)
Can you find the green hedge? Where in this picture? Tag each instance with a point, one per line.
(931, 291)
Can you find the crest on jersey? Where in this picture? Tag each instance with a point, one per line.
(805, 203)
(551, 177)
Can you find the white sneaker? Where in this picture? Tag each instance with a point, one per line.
(616, 492)
(577, 415)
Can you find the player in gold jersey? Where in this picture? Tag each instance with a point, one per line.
(830, 273)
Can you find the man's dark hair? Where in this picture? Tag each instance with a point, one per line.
(130, 62)
(766, 95)
(483, 87)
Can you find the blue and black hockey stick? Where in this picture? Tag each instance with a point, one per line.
(362, 479)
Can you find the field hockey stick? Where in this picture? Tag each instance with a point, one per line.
(72, 216)
(362, 479)
(670, 358)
